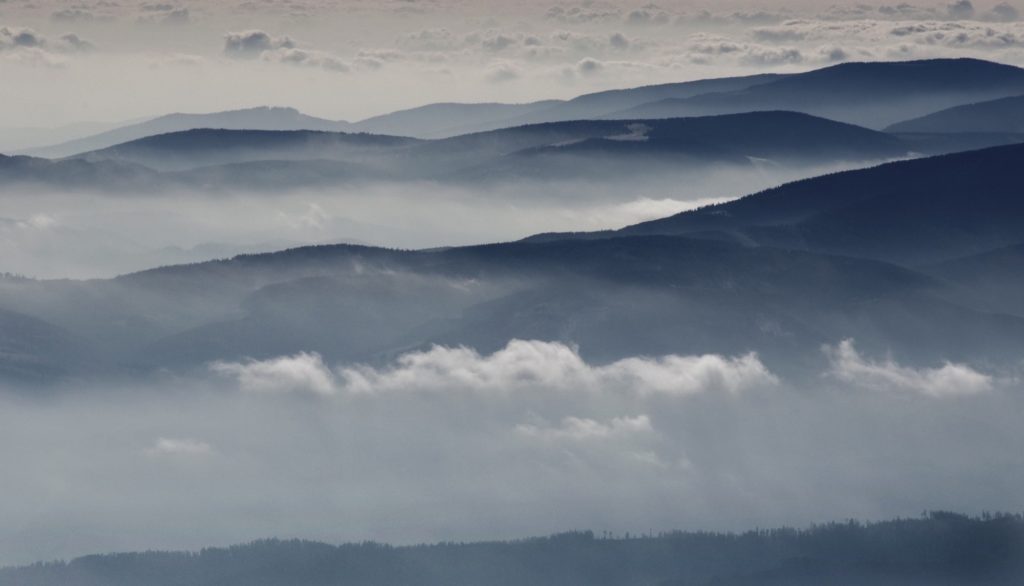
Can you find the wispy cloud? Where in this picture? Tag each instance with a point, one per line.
(301, 373)
(949, 380)
(179, 447)
(521, 364)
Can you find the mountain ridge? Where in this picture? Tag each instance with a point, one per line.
(813, 210)
(571, 150)
(1000, 115)
(702, 96)
(258, 118)
(870, 94)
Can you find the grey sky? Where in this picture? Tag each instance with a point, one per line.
(354, 59)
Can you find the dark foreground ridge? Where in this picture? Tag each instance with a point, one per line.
(939, 548)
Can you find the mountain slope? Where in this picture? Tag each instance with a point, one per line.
(208, 147)
(249, 119)
(559, 150)
(917, 211)
(33, 351)
(73, 174)
(20, 139)
(608, 148)
(874, 95)
(429, 121)
(944, 143)
(867, 94)
(613, 298)
(1004, 115)
(447, 120)
(993, 279)
(599, 104)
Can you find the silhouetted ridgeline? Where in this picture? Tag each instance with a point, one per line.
(628, 150)
(875, 95)
(1002, 115)
(941, 548)
(910, 212)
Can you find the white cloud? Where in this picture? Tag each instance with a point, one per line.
(307, 58)
(527, 364)
(435, 39)
(647, 16)
(589, 66)
(816, 41)
(579, 429)
(519, 365)
(645, 208)
(1004, 12)
(72, 43)
(949, 380)
(38, 222)
(778, 34)
(585, 12)
(301, 373)
(905, 10)
(29, 46)
(761, 57)
(13, 37)
(34, 57)
(80, 14)
(502, 71)
(179, 447)
(685, 375)
(961, 9)
(257, 44)
(704, 48)
(252, 43)
(619, 441)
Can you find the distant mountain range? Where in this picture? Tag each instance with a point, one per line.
(446, 120)
(628, 150)
(210, 147)
(430, 121)
(870, 254)
(1005, 115)
(874, 95)
(248, 119)
(14, 139)
(74, 173)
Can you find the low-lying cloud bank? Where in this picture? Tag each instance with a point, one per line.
(452, 444)
(531, 364)
(946, 381)
(84, 235)
(520, 365)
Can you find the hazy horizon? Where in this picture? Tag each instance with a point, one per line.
(352, 60)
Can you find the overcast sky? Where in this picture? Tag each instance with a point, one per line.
(94, 60)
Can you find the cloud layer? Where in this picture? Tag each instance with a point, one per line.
(521, 364)
(451, 444)
(949, 380)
